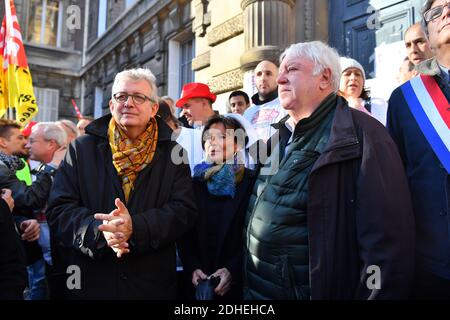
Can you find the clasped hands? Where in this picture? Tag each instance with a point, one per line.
(117, 228)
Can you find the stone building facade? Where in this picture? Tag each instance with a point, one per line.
(233, 36)
(149, 33)
(54, 50)
(77, 46)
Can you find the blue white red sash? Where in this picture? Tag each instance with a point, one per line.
(429, 107)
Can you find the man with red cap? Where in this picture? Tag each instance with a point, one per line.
(196, 101)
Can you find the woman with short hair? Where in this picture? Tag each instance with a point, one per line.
(222, 187)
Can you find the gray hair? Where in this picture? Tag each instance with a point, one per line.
(136, 75)
(321, 55)
(67, 124)
(425, 8)
(417, 24)
(52, 131)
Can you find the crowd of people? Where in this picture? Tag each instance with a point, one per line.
(310, 189)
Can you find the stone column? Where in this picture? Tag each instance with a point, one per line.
(268, 30)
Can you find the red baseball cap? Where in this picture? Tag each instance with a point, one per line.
(195, 90)
(27, 130)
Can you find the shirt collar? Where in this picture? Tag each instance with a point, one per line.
(290, 124)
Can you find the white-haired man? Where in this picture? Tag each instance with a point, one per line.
(419, 122)
(27, 198)
(47, 141)
(334, 220)
(119, 203)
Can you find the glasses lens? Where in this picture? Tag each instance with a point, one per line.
(120, 97)
(433, 13)
(138, 98)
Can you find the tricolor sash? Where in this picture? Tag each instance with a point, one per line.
(429, 107)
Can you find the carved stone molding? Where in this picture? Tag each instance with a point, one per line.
(309, 20)
(202, 17)
(227, 81)
(268, 28)
(246, 3)
(252, 57)
(202, 61)
(226, 30)
(137, 44)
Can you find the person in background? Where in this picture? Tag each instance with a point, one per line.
(222, 188)
(239, 102)
(406, 71)
(46, 139)
(70, 128)
(417, 45)
(196, 101)
(266, 109)
(418, 120)
(24, 174)
(165, 113)
(352, 88)
(83, 123)
(171, 103)
(27, 198)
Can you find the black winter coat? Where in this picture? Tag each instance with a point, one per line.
(13, 275)
(26, 198)
(195, 250)
(162, 209)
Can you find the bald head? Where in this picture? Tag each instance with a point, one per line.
(266, 73)
(417, 45)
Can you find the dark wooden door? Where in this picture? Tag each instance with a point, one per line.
(356, 27)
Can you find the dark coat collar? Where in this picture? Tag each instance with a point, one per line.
(272, 96)
(343, 144)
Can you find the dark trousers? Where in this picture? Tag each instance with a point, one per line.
(428, 286)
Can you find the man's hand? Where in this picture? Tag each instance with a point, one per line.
(225, 281)
(58, 156)
(7, 196)
(30, 230)
(198, 275)
(117, 228)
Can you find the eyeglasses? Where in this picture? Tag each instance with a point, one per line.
(138, 98)
(434, 13)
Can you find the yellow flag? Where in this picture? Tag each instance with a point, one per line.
(16, 86)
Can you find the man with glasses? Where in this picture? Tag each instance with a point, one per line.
(419, 122)
(119, 203)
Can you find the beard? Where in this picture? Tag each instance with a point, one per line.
(22, 154)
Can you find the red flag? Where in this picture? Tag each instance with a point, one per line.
(79, 115)
(16, 87)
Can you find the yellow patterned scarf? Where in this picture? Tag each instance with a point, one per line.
(130, 158)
